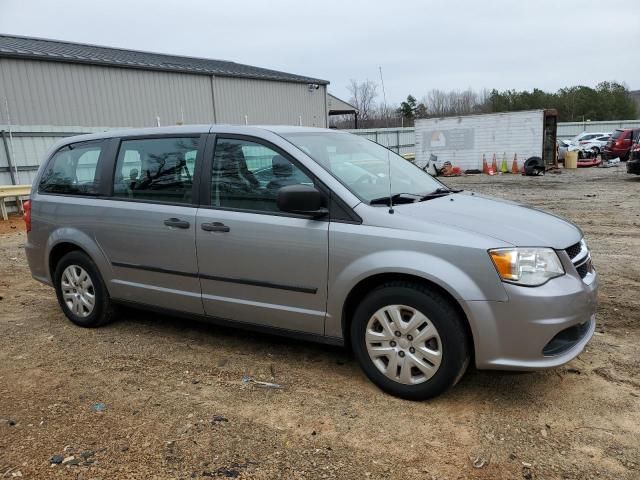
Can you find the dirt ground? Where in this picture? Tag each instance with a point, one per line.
(157, 397)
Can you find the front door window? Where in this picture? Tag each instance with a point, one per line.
(247, 175)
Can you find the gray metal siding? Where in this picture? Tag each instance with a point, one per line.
(335, 104)
(268, 103)
(400, 140)
(53, 93)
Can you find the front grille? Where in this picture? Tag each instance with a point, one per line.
(581, 259)
(583, 269)
(574, 250)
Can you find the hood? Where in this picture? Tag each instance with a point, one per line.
(510, 222)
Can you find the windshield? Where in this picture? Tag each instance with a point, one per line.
(616, 134)
(363, 166)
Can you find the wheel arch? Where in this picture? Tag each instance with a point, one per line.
(58, 251)
(67, 239)
(364, 286)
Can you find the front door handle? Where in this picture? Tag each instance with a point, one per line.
(215, 227)
(176, 222)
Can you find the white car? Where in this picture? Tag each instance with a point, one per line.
(564, 146)
(594, 144)
(585, 136)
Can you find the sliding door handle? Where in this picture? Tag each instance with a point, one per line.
(215, 227)
(176, 223)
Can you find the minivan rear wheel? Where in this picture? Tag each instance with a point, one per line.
(409, 340)
(81, 292)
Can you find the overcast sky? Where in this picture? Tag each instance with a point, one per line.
(420, 45)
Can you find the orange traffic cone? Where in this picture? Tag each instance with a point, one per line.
(514, 166)
(494, 164)
(485, 166)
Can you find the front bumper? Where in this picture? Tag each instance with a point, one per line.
(609, 154)
(538, 327)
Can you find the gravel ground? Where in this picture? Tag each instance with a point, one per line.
(158, 397)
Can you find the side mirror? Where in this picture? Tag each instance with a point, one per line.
(301, 199)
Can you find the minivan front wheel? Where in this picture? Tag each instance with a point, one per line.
(81, 292)
(409, 340)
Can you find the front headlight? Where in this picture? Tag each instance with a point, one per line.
(526, 266)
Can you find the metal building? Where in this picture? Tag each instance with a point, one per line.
(335, 106)
(47, 82)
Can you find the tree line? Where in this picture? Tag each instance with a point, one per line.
(607, 101)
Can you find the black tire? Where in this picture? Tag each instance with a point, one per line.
(104, 310)
(439, 311)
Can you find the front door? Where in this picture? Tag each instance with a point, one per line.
(147, 227)
(257, 264)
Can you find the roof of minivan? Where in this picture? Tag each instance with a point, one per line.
(196, 129)
(34, 48)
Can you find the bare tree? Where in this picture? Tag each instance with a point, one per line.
(363, 96)
(437, 102)
(455, 102)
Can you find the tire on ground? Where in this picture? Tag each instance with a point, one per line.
(444, 316)
(104, 310)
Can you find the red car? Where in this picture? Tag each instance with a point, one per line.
(620, 143)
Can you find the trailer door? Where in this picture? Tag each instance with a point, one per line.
(549, 154)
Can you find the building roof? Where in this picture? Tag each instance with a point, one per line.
(55, 50)
(339, 107)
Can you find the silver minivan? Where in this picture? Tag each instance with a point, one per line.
(312, 233)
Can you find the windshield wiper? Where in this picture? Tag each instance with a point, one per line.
(396, 198)
(438, 192)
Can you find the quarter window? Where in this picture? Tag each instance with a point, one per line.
(73, 170)
(247, 175)
(159, 169)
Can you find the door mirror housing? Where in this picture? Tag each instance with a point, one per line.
(302, 199)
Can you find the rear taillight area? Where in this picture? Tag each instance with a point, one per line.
(27, 214)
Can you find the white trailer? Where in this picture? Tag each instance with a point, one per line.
(464, 140)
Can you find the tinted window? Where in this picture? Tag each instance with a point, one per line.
(617, 134)
(159, 169)
(248, 175)
(73, 170)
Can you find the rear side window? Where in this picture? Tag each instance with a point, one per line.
(158, 169)
(617, 134)
(73, 170)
